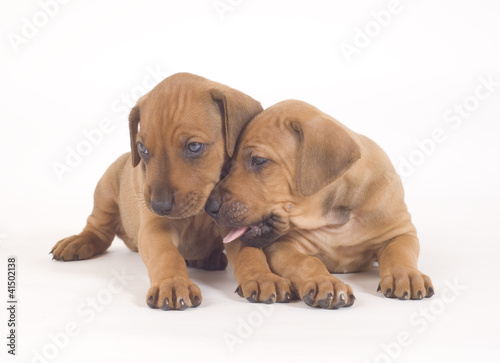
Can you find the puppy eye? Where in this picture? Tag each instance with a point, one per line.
(195, 147)
(258, 161)
(143, 151)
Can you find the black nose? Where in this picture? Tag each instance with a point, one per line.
(213, 207)
(162, 207)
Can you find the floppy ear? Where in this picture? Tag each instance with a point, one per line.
(133, 122)
(326, 151)
(237, 109)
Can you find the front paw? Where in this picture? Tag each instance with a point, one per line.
(406, 283)
(266, 287)
(178, 293)
(78, 247)
(326, 292)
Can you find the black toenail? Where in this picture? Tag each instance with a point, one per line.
(287, 297)
(151, 302)
(239, 291)
(271, 299)
(405, 296)
(325, 303)
(182, 304)
(252, 297)
(308, 300)
(197, 301)
(166, 305)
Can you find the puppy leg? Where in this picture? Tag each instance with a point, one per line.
(171, 288)
(309, 276)
(256, 281)
(99, 232)
(216, 261)
(399, 276)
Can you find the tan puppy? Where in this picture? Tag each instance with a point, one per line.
(318, 199)
(188, 130)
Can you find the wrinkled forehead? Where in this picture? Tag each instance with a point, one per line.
(192, 110)
(270, 134)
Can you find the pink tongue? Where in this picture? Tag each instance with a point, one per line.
(235, 233)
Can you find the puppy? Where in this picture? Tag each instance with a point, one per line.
(152, 197)
(318, 199)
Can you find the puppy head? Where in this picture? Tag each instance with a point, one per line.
(182, 132)
(286, 155)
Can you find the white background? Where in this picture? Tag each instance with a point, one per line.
(398, 89)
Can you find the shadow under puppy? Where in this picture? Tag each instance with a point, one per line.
(182, 133)
(318, 199)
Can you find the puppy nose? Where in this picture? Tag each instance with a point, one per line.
(162, 207)
(213, 207)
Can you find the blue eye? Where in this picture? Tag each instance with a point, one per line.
(257, 161)
(195, 147)
(143, 151)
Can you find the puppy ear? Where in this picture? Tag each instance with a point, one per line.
(326, 151)
(133, 122)
(237, 109)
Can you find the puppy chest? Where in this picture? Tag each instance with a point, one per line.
(353, 261)
(340, 250)
(198, 241)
